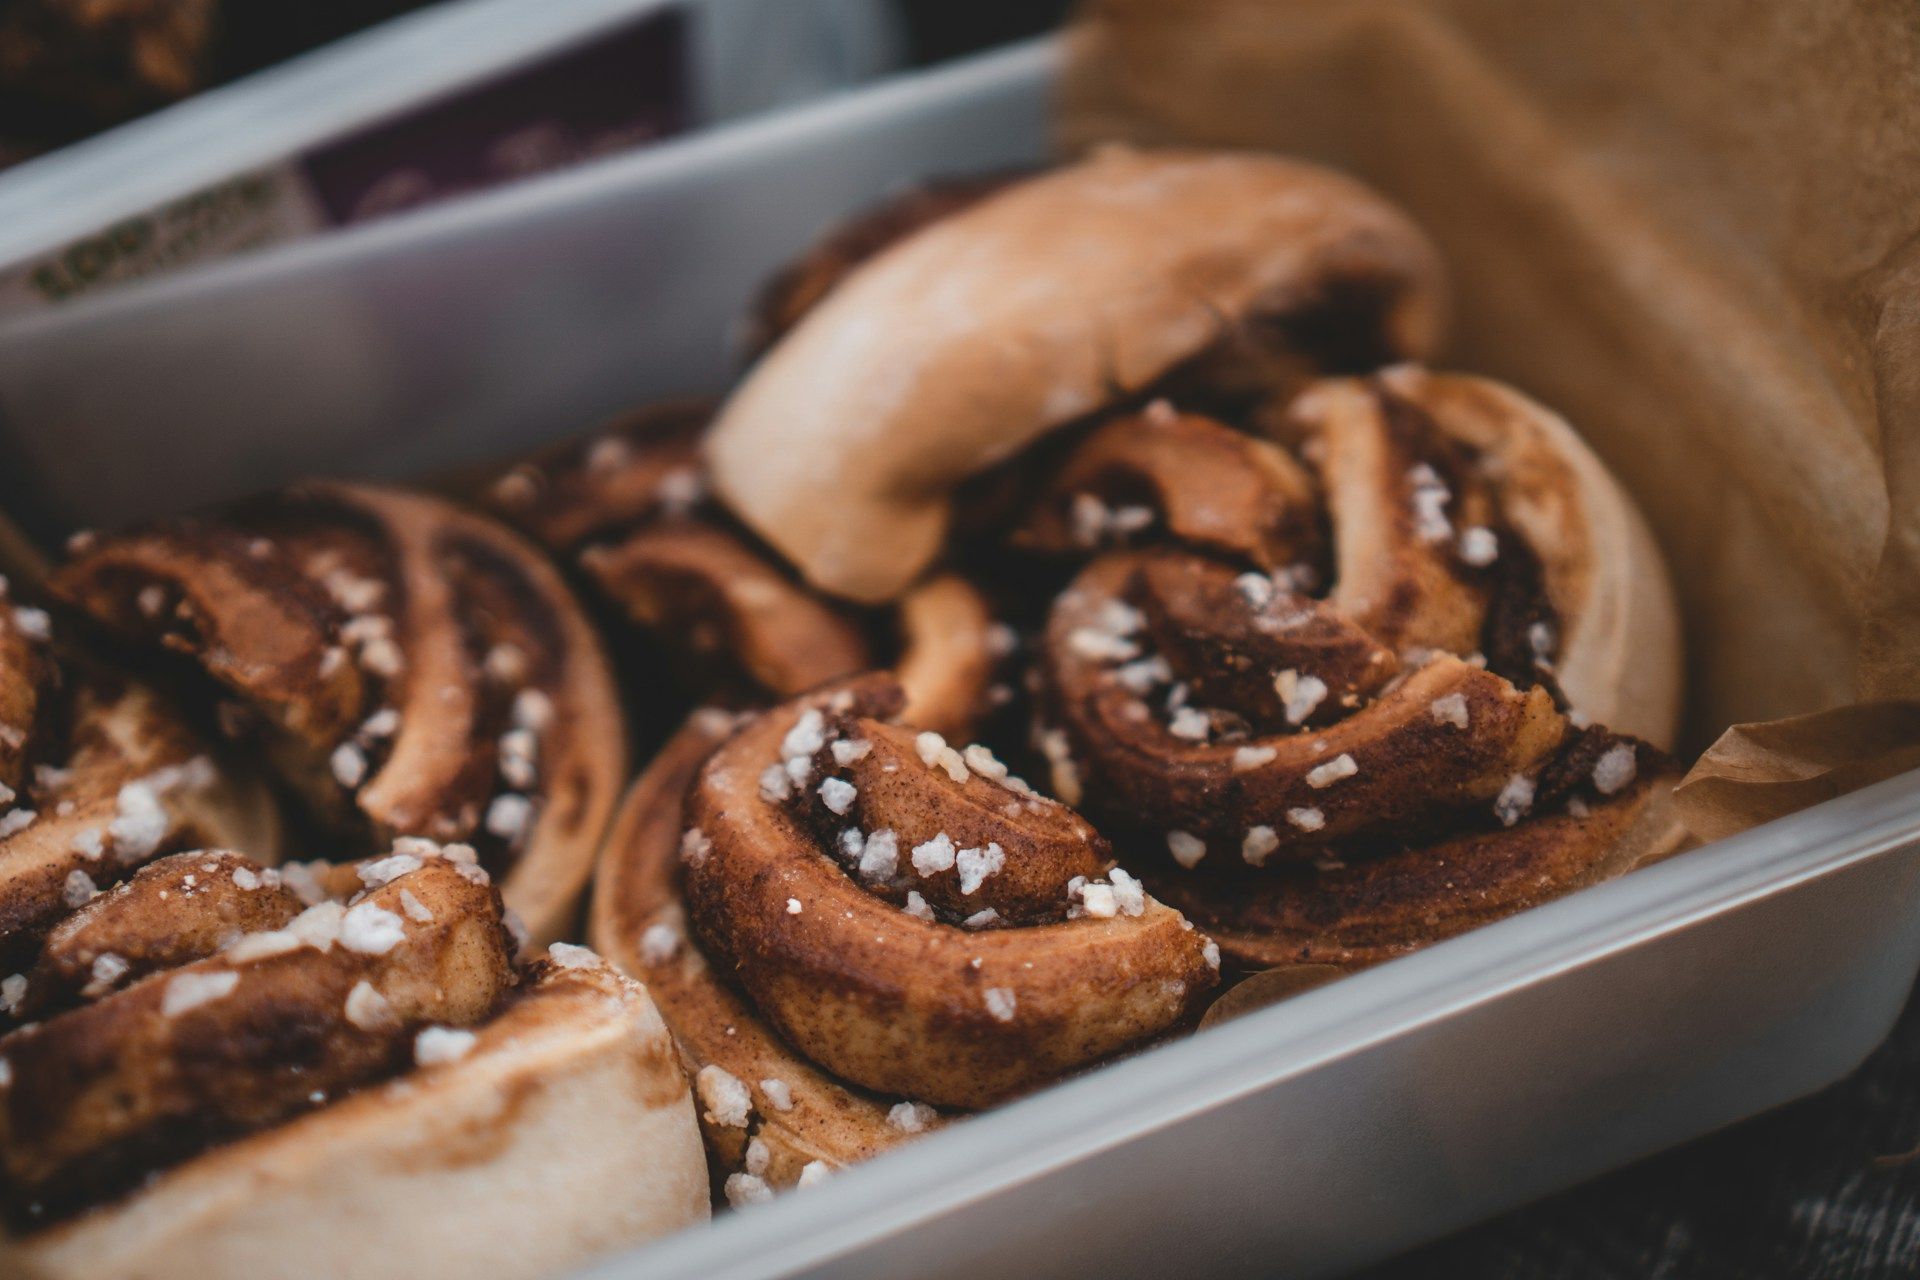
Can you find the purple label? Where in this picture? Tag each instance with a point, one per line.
(619, 92)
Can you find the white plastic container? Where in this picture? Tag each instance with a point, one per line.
(1351, 1122)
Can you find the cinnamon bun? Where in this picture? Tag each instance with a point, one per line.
(99, 774)
(1347, 745)
(966, 341)
(859, 928)
(232, 1064)
(407, 667)
(694, 594)
(1342, 664)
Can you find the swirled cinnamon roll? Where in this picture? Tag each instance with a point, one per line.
(860, 926)
(963, 343)
(407, 667)
(1344, 679)
(99, 774)
(1351, 743)
(630, 509)
(230, 1062)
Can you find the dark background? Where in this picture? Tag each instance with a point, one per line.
(940, 29)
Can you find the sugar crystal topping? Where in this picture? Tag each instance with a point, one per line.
(1615, 770)
(725, 1098)
(911, 1117)
(188, 991)
(436, 1046)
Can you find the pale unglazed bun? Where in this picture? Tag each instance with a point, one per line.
(959, 346)
(567, 1132)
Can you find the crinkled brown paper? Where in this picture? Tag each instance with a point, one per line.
(1691, 227)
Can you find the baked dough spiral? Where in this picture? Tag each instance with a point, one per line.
(99, 774)
(881, 924)
(407, 666)
(1355, 696)
(701, 600)
(223, 1051)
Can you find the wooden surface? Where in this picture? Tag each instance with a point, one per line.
(1827, 1188)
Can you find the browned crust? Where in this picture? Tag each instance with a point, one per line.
(1367, 910)
(100, 1095)
(635, 468)
(626, 506)
(566, 1133)
(727, 605)
(331, 607)
(965, 342)
(1410, 770)
(1203, 483)
(831, 977)
(948, 654)
(1434, 713)
(1620, 649)
(116, 745)
(24, 671)
(173, 911)
(636, 890)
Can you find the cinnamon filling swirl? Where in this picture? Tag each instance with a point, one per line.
(878, 986)
(99, 775)
(862, 925)
(409, 668)
(205, 999)
(697, 594)
(1330, 770)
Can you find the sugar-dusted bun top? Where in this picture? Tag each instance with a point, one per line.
(963, 343)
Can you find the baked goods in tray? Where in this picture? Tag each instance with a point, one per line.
(235, 1070)
(1125, 478)
(1348, 736)
(859, 927)
(406, 666)
(1338, 655)
(688, 591)
(1034, 307)
(1341, 664)
(213, 1063)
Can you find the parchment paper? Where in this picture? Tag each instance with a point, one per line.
(1691, 227)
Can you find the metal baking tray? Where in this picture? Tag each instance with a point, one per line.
(1347, 1124)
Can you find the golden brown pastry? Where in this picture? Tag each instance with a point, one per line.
(1341, 665)
(237, 1070)
(963, 343)
(1361, 702)
(1362, 661)
(99, 774)
(860, 926)
(628, 509)
(407, 667)
(702, 601)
